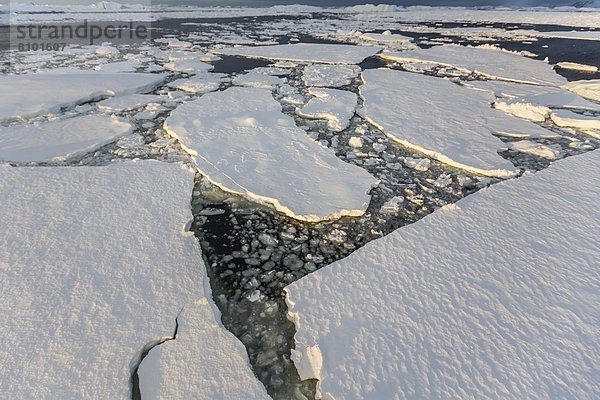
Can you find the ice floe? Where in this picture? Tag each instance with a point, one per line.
(336, 106)
(323, 75)
(34, 94)
(488, 61)
(59, 139)
(536, 149)
(308, 52)
(95, 265)
(200, 83)
(448, 122)
(494, 297)
(569, 119)
(588, 89)
(257, 80)
(578, 67)
(127, 103)
(189, 66)
(243, 143)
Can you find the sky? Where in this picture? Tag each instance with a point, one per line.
(325, 2)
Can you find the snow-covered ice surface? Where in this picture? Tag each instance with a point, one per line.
(244, 144)
(59, 139)
(577, 67)
(200, 83)
(257, 80)
(566, 118)
(128, 103)
(336, 106)
(323, 75)
(490, 62)
(494, 297)
(450, 123)
(588, 89)
(184, 368)
(529, 147)
(189, 66)
(95, 264)
(309, 52)
(34, 94)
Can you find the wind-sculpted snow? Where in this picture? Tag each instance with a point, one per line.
(308, 52)
(94, 264)
(59, 139)
(448, 122)
(242, 142)
(335, 106)
(492, 298)
(488, 61)
(34, 94)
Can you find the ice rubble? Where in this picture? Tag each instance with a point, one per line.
(494, 297)
(307, 52)
(488, 61)
(336, 106)
(329, 75)
(566, 118)
(127, 103)
(243, 143)
(448, 122)
(95, 264)
(178, 369)
(59, 139)
(588, 89)
(34, 94)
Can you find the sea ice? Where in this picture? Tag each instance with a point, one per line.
(256, 80)
(488, 61)
(309, 52)
(569, 119)
(588, 89)
(536, 149)
(323, 75)
(189, 66)
(200, 83)
(448, 122)
(243, 143)
(127, 103)
(34, 94)
(59, 139)
(94, 265)
(578, 67)
(494, 297)
(336, 106)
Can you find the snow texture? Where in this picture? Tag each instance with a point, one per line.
(257, 80)
(492, 298)
(450, 123)
(488, 61)
(536, 149)
(308, 52)
(95, 264)
(569, 119)
(182, 369)
(59, 139)
(329, 75)
(128, 103)
(588, 89)
(189, 67)
(336, 106)
(34, 94)
(242, 142)
(200, 83)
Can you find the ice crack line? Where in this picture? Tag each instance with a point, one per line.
(136, 393)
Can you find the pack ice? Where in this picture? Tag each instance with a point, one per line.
(450, 123)
(242, 142)
(324, 75)
(94, 264)
(335, 106)
(307, 52)
(33, 94)
(59, 139)
(488, 61)
(494, 297)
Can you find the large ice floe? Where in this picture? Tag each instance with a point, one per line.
(39, 93)
(323, 75)
(493, 297)
(243, 143)
(450, 123)
(95, 265)
(336, 106)
(488, 61)
(59, 139)
(308, 52)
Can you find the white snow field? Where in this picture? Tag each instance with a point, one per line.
(34, 94)
(324, 75)
(546, 96)
(59, 139)
(94, 265)
(243, 143)
(181, 368)
(336, 106)
(488, 61)
(306, 52)
(450, 123)
(494, 297)
(588, 89)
